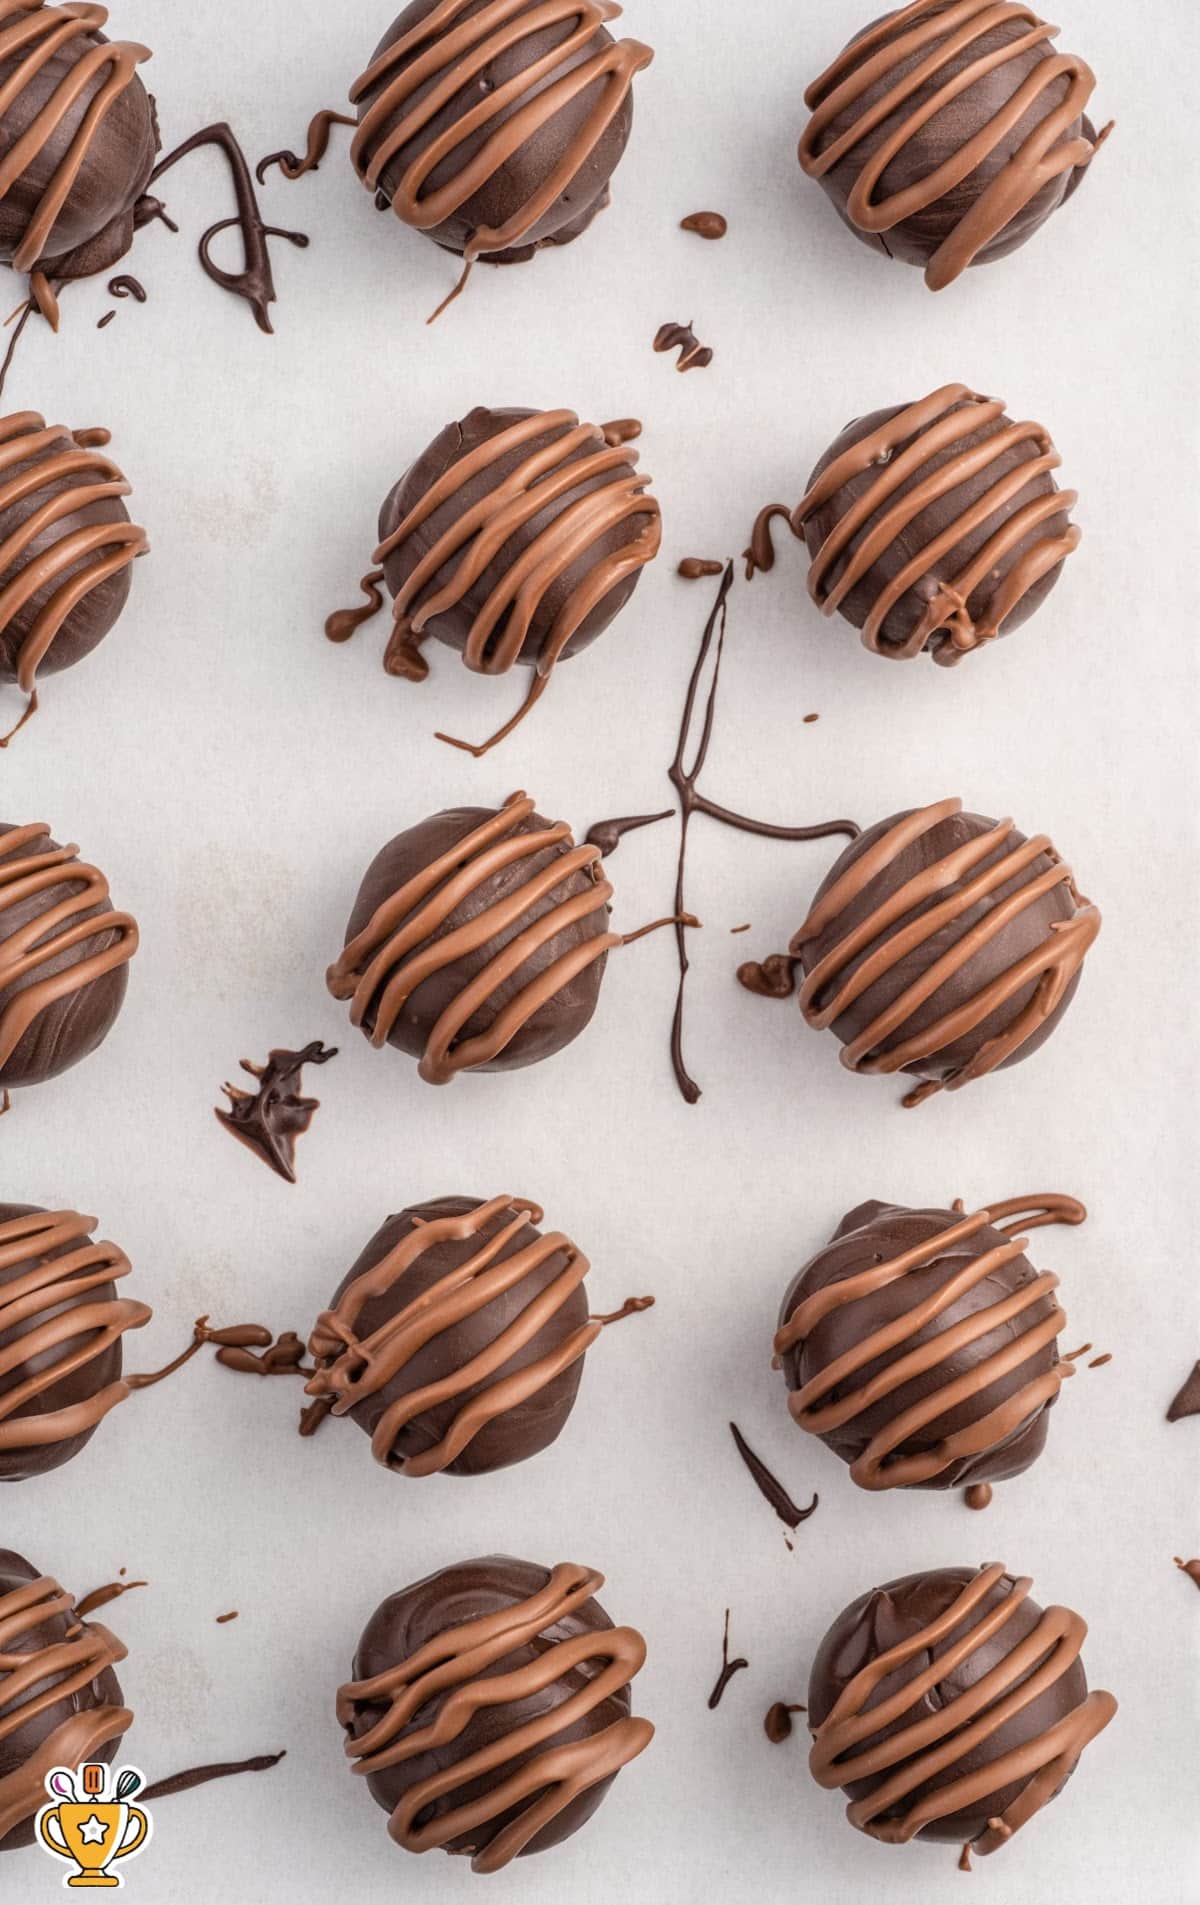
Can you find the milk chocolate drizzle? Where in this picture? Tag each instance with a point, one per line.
(124, 285)
(202, 1775)
(32, 36)
(351, 1368)
(686, 781)
(708, 225)
(67, 1334)
(76, 561)
(693, 355)
(104, 1596)
(450, 1676)
(917, 45)
(317, 145)
(26, 869)
(838, 1393)
(832, 986)
(40, 1677)
(728, 1669)
(384, 964)
(269, 1121)
(860, 1740)
(632, 1306)
(547, 475)
(898, 451)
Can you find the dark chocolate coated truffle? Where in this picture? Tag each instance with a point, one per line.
(478, 941)
(85, 1723)
(986, 1671)
(922, 1345)
(948, 132)
(87, 91)
(61, 985)
(62, 1321)
(457, 1340)
(493, 127)
(424, 1725)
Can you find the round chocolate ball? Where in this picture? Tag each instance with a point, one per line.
(457, 1339)
(61, 1324)
(478, 941)
(424, 1725)
(73, 93)
(61, 984)
(948, 132)
(43, 1728)
(935, 526)
(984, 1705)
(493, 127)
(922, 1345)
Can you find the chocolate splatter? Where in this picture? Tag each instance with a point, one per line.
(255, 282)
(149, 208)
(964, 1859)
(201, 1775)
(608, 834)
(316, 148)
(810, 718)
(22, 315)
(695, 568)
(705, 224)
(632, 1306)
(777, 1724)
(101, 1596)
(740, 929)
(621, 430)
(691, 801)
(1098, 1362)
(283, 1356)
(728, 1669)
(269, 1121)
(979, 1495)
(693, 355)
(770, 1486)
(106, 320)
(1187, 1402)
(1190, 1568)
(223, 1619)
(125, 286)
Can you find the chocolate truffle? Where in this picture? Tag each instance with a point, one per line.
(922, 1345)
(490, 1708)
(981, 1702)
(64, 951)
(517, 536)
(940, 944)
(933, 526)
(59, 1696)
(78, 140)
(61, 1324)
(494, 125)
(478, 941)
(457, 1340)
(66, 547)
(949, 131)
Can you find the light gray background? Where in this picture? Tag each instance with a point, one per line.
(234, 774)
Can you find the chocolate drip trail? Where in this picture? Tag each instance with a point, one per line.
(770, 1487)
(38, 554)
(27, 870)
(1187, 1402)
(201, 1775)
(777, 1723)
(451, 1677)
(693, 355)
(608, 834)
(255, 283)
(862, 1738)
(920, 46)
(39, 1675)
(919, 447)
(710, 225)
(104, 1596)
(316, 146)
(269, 1121)
(728, 1669)
(411, 80)
(236, 1345)
(839, 1393)
(19, 319)
(932, 902)
(398, 948)
(686, 781)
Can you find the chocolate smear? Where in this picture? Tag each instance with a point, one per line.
(201, 1775)
(101, 1596)
(104, 322)
(708, 225)
(777, 1724)
(608, 834)
(1187, 1402)
(269, 1121)
(693, 355)
(283, 1356)
(769, 1486)
(728, 1669)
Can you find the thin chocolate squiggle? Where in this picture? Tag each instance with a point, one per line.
(836, 981)
(899, 451)
(34, 1679)
(918, 44)
(396, 951)
(76, 561)
(26, 870)
(352, 1367)
(838, 1394)
(66, 1334)
(453, 1670)
(693, 355)
(860, 1740)
(33, 35)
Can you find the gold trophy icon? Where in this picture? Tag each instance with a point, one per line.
(88, 1828)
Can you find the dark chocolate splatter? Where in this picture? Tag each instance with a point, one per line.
(106, 320)
(693, 355)
(125, 286)
(316, 147)
(283, 1355)
(769, 1486)
(1098, 1362)
(705, 224)
(269, 1121)
(1187, 1402)
(201, 1775)
(728, 1669)
(608, 834)
(224, 1619)
(777, 1725)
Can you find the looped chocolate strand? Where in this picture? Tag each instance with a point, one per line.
(919, 46)
(429, 1700)
(36, 1676)
(919, 447)
(840, 1393)
(57, 1325)
(912, 1740)
(316, 146)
